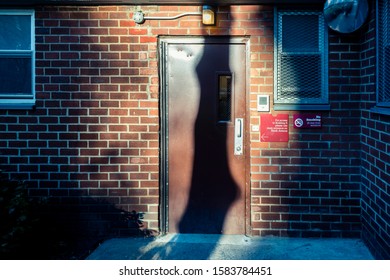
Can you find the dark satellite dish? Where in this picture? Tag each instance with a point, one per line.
(345, 16)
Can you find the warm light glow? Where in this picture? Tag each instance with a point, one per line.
(208, 15)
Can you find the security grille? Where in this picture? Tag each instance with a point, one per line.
(301, 58)
(383, 25)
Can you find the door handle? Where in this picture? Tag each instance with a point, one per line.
(238, 127)
(238, 136)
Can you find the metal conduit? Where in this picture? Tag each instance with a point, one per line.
(174, 17)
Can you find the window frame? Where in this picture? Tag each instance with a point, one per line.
(382, 106)
(24, 100)
(321, 103)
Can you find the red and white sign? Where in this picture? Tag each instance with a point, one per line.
(307, 121)
(274, 128)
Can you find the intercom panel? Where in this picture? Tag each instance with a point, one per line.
(263, 103)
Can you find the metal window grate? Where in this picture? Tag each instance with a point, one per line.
(300, 78)
(383, 53)
(300, 33)
(301, 58)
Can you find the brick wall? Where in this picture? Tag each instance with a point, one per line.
(375, 154)
(310, 186)
(92, 143)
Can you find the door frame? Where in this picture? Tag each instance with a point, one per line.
(163, 43)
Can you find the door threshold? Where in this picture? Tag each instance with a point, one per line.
(204, 238)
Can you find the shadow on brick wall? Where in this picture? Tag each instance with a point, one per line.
(43, 228)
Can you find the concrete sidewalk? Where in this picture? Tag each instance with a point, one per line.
(230, 247)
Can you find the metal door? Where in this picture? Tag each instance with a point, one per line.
(204, 107)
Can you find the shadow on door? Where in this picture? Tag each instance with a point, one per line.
(213, 189)
(205, 96)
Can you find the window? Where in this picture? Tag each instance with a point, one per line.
(17, 59)
(224, 98)
(301, 70)
(383, 25)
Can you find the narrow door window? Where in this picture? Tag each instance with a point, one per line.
(224, 97)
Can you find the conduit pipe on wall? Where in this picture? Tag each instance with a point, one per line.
(208, 16)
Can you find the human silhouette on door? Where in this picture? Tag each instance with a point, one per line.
(213, 189)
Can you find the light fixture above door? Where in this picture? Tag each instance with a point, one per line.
(208, 15)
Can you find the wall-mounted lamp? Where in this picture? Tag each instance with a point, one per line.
(208, 16)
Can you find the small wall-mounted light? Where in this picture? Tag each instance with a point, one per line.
(208, 15)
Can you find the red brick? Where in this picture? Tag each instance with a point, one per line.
(102, 53)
